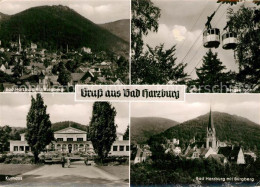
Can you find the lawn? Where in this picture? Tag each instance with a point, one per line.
(16, 169)
(121, 172)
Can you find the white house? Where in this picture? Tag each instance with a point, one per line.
(72, 140)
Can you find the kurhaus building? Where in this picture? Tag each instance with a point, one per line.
(71, 140)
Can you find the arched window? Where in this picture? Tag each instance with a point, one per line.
(75, 147)
(64, 146)
(58, 146)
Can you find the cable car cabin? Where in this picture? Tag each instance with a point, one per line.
(211, 38)
(229, 40)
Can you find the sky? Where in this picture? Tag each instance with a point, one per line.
(98, 11)
(182, 22)
(244, 105)
(61, 107)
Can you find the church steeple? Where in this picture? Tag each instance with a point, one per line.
(211, 123)
(20, 46)
(211, 133)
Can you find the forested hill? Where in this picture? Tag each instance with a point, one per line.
(229, 128)
(3, 16)
(16, 131)
(64, 124)
(55, 27)
(120, 28)
(144, 127)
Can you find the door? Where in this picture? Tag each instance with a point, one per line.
(70, 148)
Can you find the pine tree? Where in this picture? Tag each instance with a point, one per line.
(4, 138)
(39, 133)
(102, 128)
(211, 76)
(159, 66)
(126, 134)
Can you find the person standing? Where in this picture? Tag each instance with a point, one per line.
(63, 161)
(68, 162)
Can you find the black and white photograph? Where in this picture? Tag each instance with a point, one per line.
(51, 46)
(212, 46)
(51, 140)
(208, 140)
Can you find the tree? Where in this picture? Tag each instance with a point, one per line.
(26, 61)
(211, 76)
(4, 138)
(18, 70)
(158, 66)
(46, 63)
(102, 128)
(64, 75)
(246, 24)
(2, 88)
(39, 133)
(126, 134)
(155, 66)
(145, 18)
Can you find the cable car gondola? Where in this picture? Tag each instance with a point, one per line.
(211, 38)
(229, 40)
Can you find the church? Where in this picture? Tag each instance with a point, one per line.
(215, 148)
(72, 140)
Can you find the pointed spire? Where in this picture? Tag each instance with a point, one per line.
(19, 43)
(210, 124)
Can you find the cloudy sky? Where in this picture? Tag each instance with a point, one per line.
(101, 11)
(244, 105)
(182, 22)
(61, 107)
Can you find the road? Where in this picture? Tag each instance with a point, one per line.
(77, 175)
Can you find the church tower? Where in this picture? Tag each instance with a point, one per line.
(211, 134)
(20, 45)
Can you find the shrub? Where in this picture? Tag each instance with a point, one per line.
(2, 158)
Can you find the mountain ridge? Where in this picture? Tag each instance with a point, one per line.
(58, 26)
(120, 28)
(229, 128)
(142, 128)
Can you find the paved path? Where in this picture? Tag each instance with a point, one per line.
(77, 175)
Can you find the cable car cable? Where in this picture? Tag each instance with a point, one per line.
(194, 25)
(198, 37)
(200, 47)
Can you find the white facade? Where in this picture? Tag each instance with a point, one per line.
(72, 140)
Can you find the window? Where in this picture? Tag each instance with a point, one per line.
(121, 148)
(69, 139)
(79, 139)
(26, 148)
(127, 148)
(15, 148)
(196, 155)
(59, 139)
(115, 148)
(21, 148)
